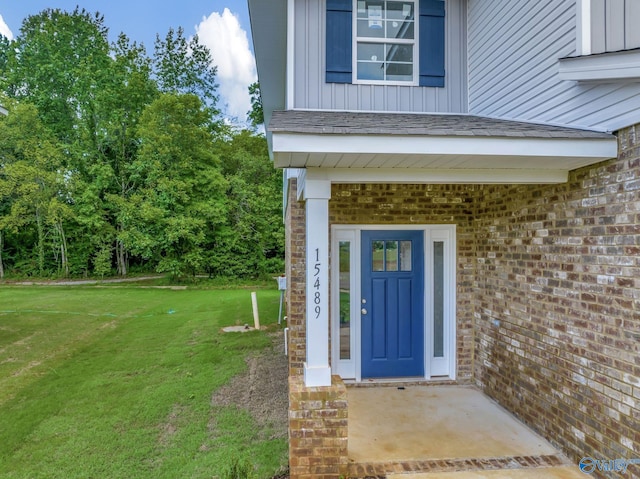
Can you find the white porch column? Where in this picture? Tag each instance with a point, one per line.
(317, 371)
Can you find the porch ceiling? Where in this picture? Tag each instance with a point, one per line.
(433, 147)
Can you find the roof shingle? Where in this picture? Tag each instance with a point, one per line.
(364, 123)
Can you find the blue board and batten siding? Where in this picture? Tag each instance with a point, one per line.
(514, 47)
(615, 25)
(311, 91)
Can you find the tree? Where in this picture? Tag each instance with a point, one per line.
(61, 63)
(182, 192)
(111, 158)
(126, 93)
(186, 67)
(32, 185)
(56, 63)
(251, 242)
(5, 45)
(256, 114)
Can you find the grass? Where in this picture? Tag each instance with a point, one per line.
(117, 382)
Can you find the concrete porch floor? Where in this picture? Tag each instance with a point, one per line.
(444, 432)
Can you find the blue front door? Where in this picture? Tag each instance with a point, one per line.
(392, 304)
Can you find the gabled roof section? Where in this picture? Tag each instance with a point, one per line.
(365, 123)
(433, 147)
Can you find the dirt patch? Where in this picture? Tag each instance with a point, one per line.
(262, 390)
(169, 428)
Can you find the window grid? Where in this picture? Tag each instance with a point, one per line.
(385, 41)
(391, 255)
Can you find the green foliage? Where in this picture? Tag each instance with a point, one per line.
(256, 114)
(102, 260)
(112, 160)
(32, 185)
(180, 183)
(251, 242)
(57, 63)
(185, 66)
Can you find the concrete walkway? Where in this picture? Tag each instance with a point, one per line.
(430, 432)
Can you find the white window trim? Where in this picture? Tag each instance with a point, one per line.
(445, 366)
(583, 27)
(352, 369)
(415, 42)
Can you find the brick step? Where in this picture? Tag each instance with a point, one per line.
(380, 470)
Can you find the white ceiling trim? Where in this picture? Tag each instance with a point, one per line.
(443, 145)
(439, 159)
(425, 176)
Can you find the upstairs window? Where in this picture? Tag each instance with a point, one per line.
(385, 41)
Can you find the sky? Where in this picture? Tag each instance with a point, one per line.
(222, 25)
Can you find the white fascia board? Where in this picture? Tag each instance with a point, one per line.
(622, 66)
(447, 145)
(426, 176)
(269, 32)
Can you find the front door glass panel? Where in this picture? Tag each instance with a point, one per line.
(345, 299)
(391, 256)
(438, 299)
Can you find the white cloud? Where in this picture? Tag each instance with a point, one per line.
(5, 30)
(229, 46)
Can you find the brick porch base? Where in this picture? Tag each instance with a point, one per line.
(317, 430)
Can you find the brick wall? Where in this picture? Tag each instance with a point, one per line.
(558, 304)
(296, 286)
(421, 204)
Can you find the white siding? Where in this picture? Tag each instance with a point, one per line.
(312, 92)
(514, 47)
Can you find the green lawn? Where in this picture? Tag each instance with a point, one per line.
(117, 382)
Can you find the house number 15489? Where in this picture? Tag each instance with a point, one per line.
(316, 284)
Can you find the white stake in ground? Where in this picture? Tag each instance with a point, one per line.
(256, 318)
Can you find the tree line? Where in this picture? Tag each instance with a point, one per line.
(112, 160)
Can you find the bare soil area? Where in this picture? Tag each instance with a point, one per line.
(262, 391)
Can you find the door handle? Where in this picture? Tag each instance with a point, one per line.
(363, 311)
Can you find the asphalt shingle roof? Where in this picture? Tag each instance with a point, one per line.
(362, 123)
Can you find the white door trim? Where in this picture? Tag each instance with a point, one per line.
(351, 369)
